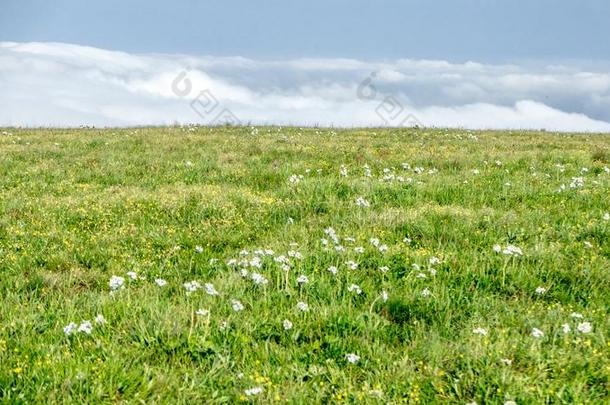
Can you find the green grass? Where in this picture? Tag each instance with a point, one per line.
(79, 206)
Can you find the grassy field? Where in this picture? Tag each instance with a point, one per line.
(195, 265)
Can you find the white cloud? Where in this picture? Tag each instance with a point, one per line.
(50, 84)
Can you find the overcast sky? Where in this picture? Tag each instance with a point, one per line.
(472, 63)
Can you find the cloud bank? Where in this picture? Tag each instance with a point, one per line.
(52, 84)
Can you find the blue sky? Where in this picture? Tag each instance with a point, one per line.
(491, 31)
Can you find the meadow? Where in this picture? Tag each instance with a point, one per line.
(304, 265)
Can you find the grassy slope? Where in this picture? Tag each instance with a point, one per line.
(78, 206)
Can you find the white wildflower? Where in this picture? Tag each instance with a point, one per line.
(258, 279)
(512, 250)
(352, 358)
(210, 290)
(70, 328)
(253, 391)
(537, 333)
(160, 282)
(287, 324)
(85, 327)
(99, 319)
(352, 264)
(301, 306)
(116, 283)
(362, 202)
(354, 288)
(191, 286)
(295, 254)
(237, 305)
(584, 327)
(384, 296)
(256, 262)
(480, 331)
(302, 279)
(540, 290)
(295, 179)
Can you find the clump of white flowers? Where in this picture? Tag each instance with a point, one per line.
(85, 326)
(352, 358)
(510, 250)
(253, 391)
(537, 333)
(295, 178)
(191, 286)
(237, 305)
(210, 290)
(258, 279)
(384, 296)
(302, 306)
(116, 283)
(584, 327)
(302, 279)
(286, 324)
(70, 328)
(480, 331)
(362, 202)
(355, 289)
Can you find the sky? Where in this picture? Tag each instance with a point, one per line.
(458, 63)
